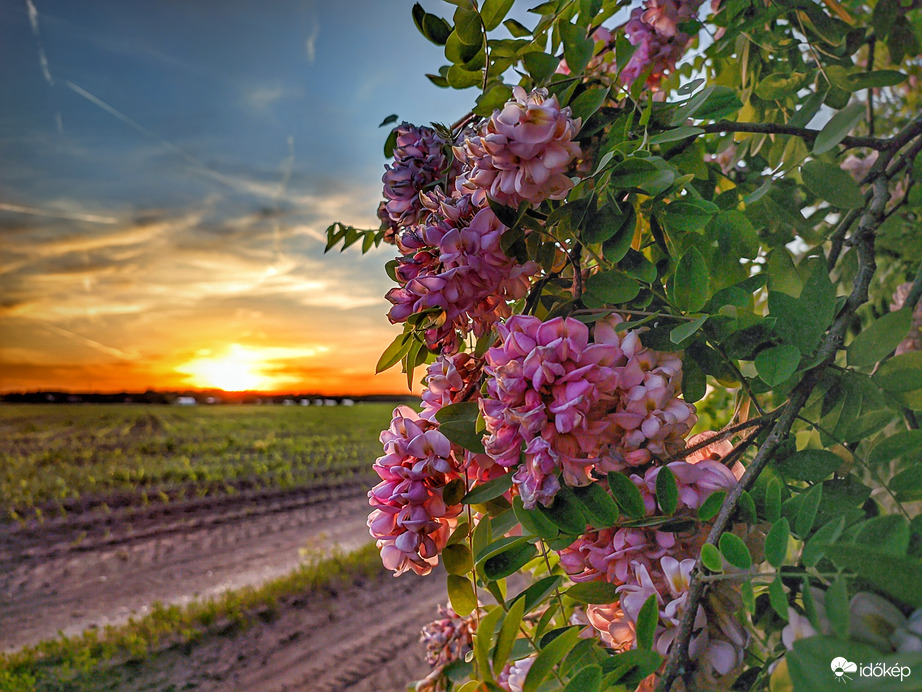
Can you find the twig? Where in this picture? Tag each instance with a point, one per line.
(806, 133)
(727, 432)
(676, 663)
(870, 66)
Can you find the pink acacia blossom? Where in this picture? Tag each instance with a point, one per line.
(455, 269)
(572, 406)
(913, 342)
(419, 161)
(410, 520)
(448, 638)
(512, 677)
(521, 152)
(655, 29)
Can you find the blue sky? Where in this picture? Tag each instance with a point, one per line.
(169, 169)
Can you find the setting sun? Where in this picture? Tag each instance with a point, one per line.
(241, 368)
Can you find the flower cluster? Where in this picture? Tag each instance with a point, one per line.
(655, 28)
(456, 269)
(522, 152)
(410, 520)
(913, 342)
(448, 638)
(572, 406)
(419, 161)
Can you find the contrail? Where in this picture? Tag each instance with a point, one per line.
(89, 342)
(147, 132)
(57, 214)
(42, 58)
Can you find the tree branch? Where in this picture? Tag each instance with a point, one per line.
(871, 217)
(803, 132)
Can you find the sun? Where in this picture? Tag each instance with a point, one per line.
(237, 370)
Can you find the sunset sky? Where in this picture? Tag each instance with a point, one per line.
(168, 171)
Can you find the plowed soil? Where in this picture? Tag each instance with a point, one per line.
(88, 571)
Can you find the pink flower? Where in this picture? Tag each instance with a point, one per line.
(410, 520)
(913, 342)
(521, 152)
(654, 30)
(715, 451)
(419, 161)
(448, 638)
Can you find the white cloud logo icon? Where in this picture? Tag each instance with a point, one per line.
(840, 666)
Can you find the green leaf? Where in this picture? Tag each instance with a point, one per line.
(601, 224)
(577, 48)
(459, 78)
(735, 551)
(811, 465)
(647, 620)
(832, 184)
(875, 79)
(508, 560)
(710, 558)
(516, 28)
(776, 542)
(780, 85)
(612, 287)
(540, 65)
(587, 103)
(508, 634)
(492, 99)
(548, 657)
(676, 134)
(468, 27)
(537, 592)
(434, 28)
(902, 373)
(632, 173)
(711, 506)
(837, 607)
(901, 445)
(458, 559)
(879, 339)
(600, 592)
(667, 491)
(565, 512)
(710, 103)
(838, 127)
(461, 595)
(488, 491)
(691, 284)
(458, 422)
(483, 639)
(627, 495)
(806, 513)
(815, 548)
(773, 500)
(598, 506)
(393, 353)
(588, 679)
(888, 533)
(777, 598)
(494, 11)
(533, 521)
(900, 577)
(775, 365)
(688, 214)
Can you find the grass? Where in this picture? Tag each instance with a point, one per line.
(57, 458)
(89, 660)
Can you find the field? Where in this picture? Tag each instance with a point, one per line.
(201, 547)
(55, 459)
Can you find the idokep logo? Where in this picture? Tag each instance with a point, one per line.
(842, 666)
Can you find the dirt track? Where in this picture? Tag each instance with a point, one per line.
(77, 573)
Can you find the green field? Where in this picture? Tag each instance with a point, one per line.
(62, 458)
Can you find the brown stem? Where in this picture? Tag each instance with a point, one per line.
(677, 663)
(805, 133)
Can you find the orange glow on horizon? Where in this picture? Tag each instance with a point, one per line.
(242, 368)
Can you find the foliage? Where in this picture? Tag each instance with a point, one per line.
(637, 208)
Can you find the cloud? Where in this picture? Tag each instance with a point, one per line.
(310, 43)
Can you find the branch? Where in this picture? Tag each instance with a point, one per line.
(806, 133)
(864, 240)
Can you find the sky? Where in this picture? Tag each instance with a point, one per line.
(169, 169)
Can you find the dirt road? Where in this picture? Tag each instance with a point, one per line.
(80, 572)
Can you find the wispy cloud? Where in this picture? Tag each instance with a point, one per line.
(310, 43)
(36, 31)
(57, 213)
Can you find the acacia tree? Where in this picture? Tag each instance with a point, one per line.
(657, 217)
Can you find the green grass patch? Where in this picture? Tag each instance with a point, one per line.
(55, 456)
(87, 661)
